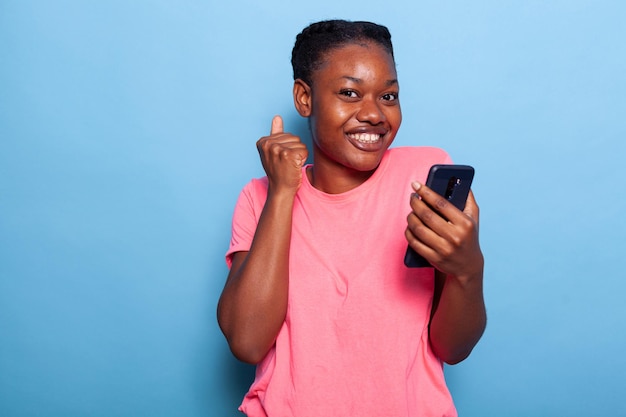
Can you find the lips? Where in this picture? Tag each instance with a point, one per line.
(365, 137)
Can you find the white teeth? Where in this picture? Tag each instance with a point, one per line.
(365, 137)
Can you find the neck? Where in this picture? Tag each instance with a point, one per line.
(336, 181)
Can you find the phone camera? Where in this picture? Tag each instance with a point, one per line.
(452, 184)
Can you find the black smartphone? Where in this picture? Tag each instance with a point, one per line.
(453, 183)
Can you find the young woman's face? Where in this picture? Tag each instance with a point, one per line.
(355, 110)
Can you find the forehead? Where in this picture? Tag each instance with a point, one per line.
(353, 58)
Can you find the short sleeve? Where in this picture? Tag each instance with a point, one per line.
(246, 217)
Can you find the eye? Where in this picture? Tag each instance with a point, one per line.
(349, 93)
(390, 96)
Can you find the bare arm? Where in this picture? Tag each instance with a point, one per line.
(458, 317)
(253, 304)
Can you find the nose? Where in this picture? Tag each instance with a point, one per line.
(370, 112)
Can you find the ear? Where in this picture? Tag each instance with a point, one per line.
(302, 97)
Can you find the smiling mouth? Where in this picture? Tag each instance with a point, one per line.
(365, 137)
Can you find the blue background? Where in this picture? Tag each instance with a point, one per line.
(127, 130)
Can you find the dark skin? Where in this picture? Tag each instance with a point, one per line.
(458, 317)
(253, 304)
(354, 114)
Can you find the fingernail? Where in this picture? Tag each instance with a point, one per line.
(416, 185)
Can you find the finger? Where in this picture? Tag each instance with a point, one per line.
(421, 238)
(426, 225)
(436, 202)
(277, 125)
(303, 154)
(298, 152)
(284, 148)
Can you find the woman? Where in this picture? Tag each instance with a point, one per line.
(318, 295)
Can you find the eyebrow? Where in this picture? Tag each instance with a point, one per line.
(359, 81)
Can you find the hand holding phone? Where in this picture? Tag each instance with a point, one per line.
(452, 182)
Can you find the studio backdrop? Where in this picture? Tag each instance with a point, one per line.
(127, 130)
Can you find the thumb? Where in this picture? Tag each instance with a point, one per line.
(277, 125)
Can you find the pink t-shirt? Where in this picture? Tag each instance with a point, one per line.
(355, 339)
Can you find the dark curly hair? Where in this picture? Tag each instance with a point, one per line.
(319, 38)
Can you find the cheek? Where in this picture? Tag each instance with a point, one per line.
(344, 113)
(395, 117)
(334, 113)
(331, 118)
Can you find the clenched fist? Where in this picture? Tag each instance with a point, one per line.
(282, 155)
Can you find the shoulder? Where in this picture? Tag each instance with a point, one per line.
(253, 195)
(417, 155)
(422, 152)
(256, 186)
(404, 164)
